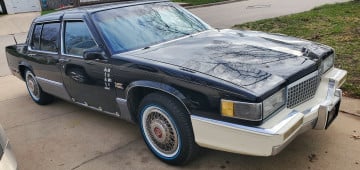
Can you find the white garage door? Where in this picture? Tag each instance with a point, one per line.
(26, 5)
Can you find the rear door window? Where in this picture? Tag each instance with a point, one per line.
(46, 37)
(50, 37)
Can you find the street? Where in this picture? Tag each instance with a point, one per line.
(67, 136)
(228, 15)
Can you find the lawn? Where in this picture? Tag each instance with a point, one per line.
(336, 25)
(198, 2)
(47, 12)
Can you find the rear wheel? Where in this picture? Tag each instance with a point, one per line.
(35, 90)
(166, 128)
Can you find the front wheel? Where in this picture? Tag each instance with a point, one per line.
(166, 128)
(35, 91)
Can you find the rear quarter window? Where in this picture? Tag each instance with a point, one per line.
(35, 40)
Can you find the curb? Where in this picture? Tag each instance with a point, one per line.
(189, 6)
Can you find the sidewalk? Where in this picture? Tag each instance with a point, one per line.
(350, 106)
(227, 15)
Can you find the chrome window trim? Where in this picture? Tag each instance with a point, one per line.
(42, 51)
(62, 37)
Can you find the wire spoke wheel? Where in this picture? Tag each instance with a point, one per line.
(35, 91)
(160, 131)
(166, 129)
(33, 86)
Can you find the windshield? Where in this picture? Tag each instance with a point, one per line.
(141, 26)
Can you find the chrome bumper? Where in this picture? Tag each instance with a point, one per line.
(275, 134)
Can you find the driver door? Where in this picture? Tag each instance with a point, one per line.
(87, 81)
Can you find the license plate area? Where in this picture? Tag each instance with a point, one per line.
(332, 114)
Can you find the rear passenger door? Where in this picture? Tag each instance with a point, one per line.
(43, 51)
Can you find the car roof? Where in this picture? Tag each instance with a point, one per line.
(79, 12)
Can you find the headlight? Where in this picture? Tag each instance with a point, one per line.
(253, 111)
(327, 63)
(274, 102)
(241, 110)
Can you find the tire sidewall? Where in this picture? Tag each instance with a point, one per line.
(170, 117)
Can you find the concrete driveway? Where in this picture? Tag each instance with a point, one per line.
(11, 26)
(66, 136)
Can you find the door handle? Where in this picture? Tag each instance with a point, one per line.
(63, 60)
(31, 55)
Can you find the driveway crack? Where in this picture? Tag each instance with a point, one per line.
(31, 122)
(106, 153)
(349, 113)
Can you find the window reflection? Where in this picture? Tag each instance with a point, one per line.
(50, 37)
(77, 38)
(140, 26)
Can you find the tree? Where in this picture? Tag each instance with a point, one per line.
(76, 3)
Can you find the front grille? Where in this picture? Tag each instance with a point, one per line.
(302, 90)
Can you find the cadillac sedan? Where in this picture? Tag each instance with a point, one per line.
(186, 84)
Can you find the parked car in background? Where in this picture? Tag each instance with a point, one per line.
(7, 158)
(185, 83)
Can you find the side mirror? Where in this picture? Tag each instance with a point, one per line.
(94, 53)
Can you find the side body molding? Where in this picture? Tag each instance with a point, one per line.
(53, 87)
(124, 110)
(157, 86)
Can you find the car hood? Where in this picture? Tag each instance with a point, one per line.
(250, 59)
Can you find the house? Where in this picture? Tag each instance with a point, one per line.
(18, 6)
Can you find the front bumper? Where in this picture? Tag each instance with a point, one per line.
(277, 132)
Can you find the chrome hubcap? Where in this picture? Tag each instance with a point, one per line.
(160, 131)
(33, 86)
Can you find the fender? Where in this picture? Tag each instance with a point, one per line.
(158, 86)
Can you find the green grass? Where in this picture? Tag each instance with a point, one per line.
(336, 25)
(47, 12)
(198, 2)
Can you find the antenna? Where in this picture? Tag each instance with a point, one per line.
(13, 35)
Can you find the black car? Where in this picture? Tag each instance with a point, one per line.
(185, 83)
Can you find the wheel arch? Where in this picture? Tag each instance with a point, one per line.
(136, 91)
(22, 67)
